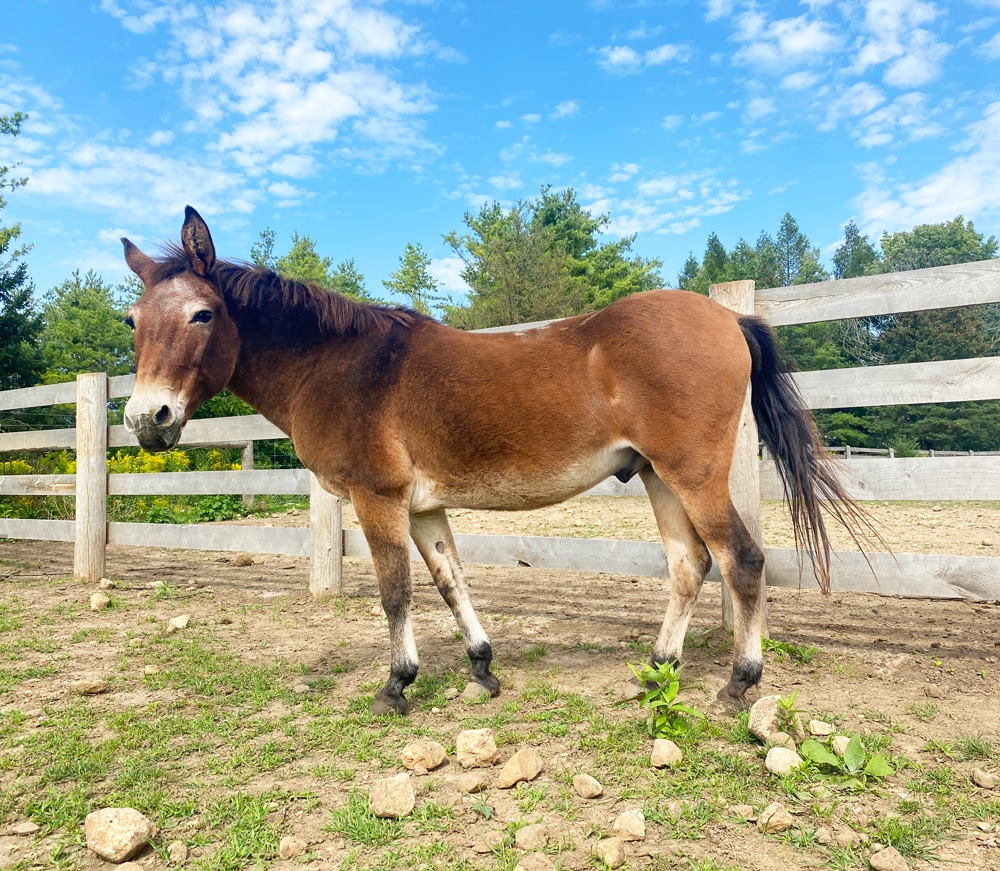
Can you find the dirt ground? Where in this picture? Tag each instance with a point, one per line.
(880, 662)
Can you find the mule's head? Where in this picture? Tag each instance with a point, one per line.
(186, 343)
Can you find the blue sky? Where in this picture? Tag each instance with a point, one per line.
(369, 125)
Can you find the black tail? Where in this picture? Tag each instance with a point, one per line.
(786, 427)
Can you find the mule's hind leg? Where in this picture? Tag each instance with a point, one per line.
(385, 522)
(432, 536)
(688, 560)
(712, 513)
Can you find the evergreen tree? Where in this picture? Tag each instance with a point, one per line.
(413, 280)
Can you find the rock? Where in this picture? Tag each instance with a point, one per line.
(242, 560)
(984, 779)
(631, 825)
(177, 852)
(290, 847)
(151, 669)
(425, 753)
(476, 748)
(175, 624)
(987, 542)
(587, 787)
(26, 828)
(300, 689)
(377, 611)
(90, 687)
(665, 754)
(451, 693)
(847, 838)
(611, 851)
(392, 797)
(782, 761)
(130, 866)
(782, 739)
(474, 692)
(116, 833)
(744, 811)
(823, 836)
(470, 782)
(526, 764)
(99, 601)
(106, 584)
(530, 838)
(839, 744)
(888, 859)
(774, 818)
(535, 862)
(819, 729)
(763, 719)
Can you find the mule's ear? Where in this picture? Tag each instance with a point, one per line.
(198, 243)
(138, 262)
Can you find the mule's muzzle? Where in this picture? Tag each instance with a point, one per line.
(158, 431)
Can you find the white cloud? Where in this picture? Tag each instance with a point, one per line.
(784, 42)
(531, 118)
(716, 9)
(503, 125)
(623, 60)
(553, 158)
(447, 272)
(566, 109)
(506, 181)
(969, 185)
(672, 122)
(160, 137)
(800, 81)
(623, 172)
(990, 49)
(897, 37)
(759, 107)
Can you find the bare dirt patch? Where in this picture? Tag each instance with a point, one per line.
(918, 677)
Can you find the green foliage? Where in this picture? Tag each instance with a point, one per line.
(20, 324)
(788, 714)
(856, 764)
(413, 280)
(541, 259)
(797, 652)
(668, 718)
(303, 262)
(85, 330)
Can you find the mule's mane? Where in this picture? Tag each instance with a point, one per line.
(260, 289)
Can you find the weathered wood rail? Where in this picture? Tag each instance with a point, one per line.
(939, 478)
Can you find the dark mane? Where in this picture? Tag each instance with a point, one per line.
(259, 289)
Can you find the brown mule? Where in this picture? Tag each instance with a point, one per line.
(407, 417)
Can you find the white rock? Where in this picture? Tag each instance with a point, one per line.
(820, 729)
(243, 560)
(888, 859)
(424, 753)
(476, 748)
(839, 744)
(535, 862)
(106, 584)
(781, 760)
(587, 787)
(301, 689)
(474, 692)
(533, 837)
(151, 669)
(26, 828)
(177, 852)
(470, 782)
(99, 601)
(611, 851)
(90, 686)
(290, 847)
(526, 764)
(665, 754)
(774, 818)
(117, 834)
(174, 624)
(782, 739)
(763, 719)
(984, 779)
(451, 693)
(392, 797)
(631, 825)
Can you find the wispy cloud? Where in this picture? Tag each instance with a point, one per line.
(566, 109)
(623, 60)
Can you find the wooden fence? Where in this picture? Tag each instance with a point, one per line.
(939, 478)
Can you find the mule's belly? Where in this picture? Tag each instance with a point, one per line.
(519, 489)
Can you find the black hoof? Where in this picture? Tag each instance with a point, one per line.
(732, 703)
(488, 682)
(388, 703)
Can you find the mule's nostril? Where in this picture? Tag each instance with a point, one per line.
(163, 417)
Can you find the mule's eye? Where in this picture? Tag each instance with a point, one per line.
(130, 323)
(202, 317)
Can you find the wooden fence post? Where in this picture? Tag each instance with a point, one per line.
(326, 542)
(91, 535)
(246, 465)
(744, 476)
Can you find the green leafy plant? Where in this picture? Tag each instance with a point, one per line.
(788, 714)
(855, 762)
(668, 717)
(796, 652)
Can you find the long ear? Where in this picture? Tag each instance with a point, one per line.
(138, 262)
(198, 243)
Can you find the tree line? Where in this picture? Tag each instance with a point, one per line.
(543, 258)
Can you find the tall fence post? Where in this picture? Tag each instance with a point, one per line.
(246, 465)
(91, 536)
(326, 542)
(744, 476)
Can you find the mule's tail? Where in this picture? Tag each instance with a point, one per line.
(786, 427)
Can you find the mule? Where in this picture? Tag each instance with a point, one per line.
(407, 417)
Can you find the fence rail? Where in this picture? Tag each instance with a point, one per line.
(936, 478)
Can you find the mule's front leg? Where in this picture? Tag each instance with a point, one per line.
(385, 523)
(432, 536)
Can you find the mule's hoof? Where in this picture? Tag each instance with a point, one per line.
(733, 704)
(489, 683)
(386, 703)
